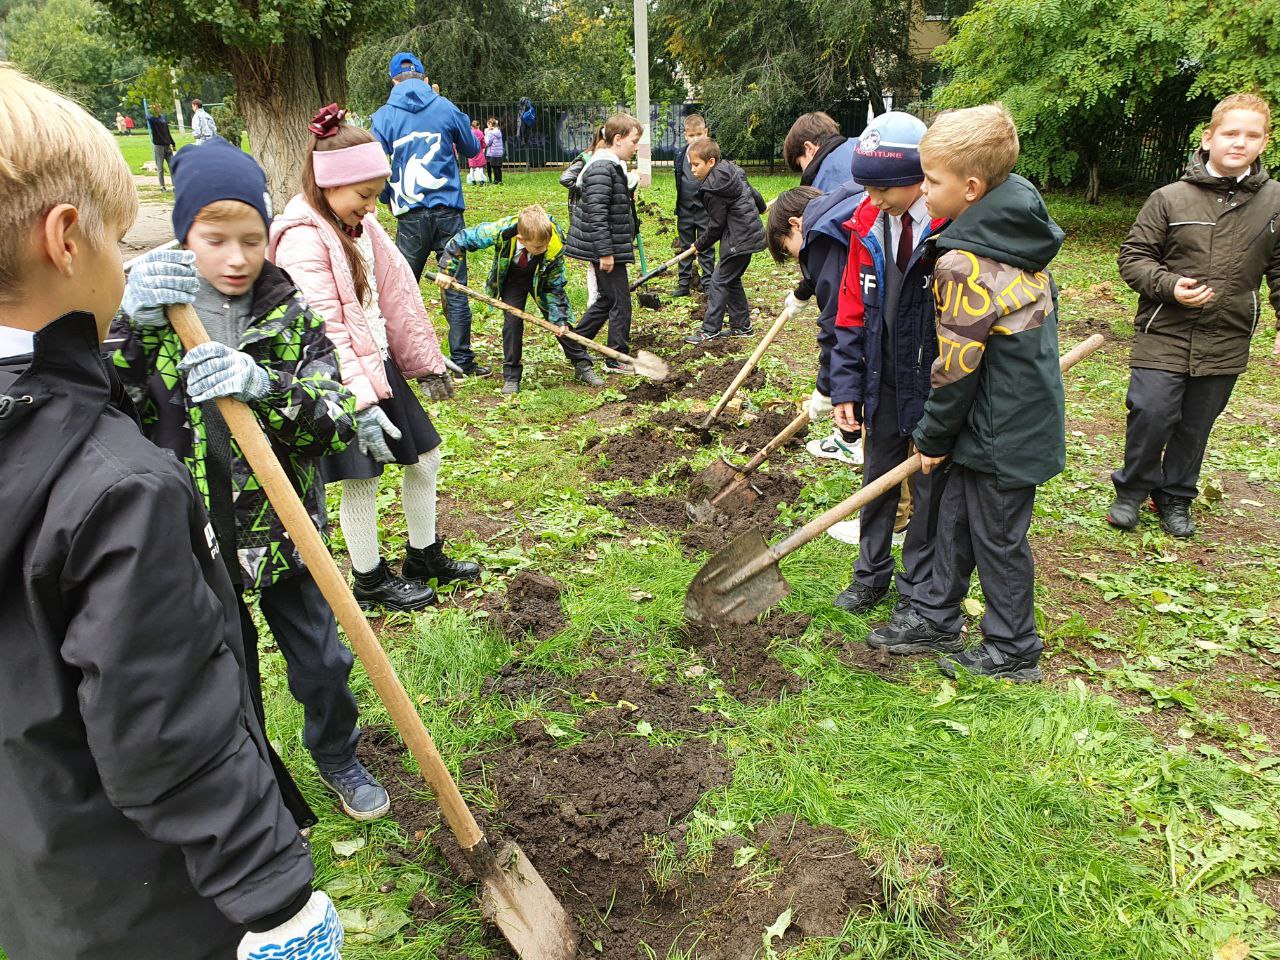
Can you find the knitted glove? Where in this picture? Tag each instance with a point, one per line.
(372, 429)
(819, 406)
(794, 304)
(313, 933)
(439, 386)
(215, 370)
(158, 279)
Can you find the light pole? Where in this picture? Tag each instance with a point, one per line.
(644, 155)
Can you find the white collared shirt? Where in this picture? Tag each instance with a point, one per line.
(1214, 173)
(15, 342)
(919, 217)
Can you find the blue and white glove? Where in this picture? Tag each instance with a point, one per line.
(215, 370)
(372, 429)
(159, 278)
(313, 933)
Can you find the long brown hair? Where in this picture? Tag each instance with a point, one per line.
(346, 136)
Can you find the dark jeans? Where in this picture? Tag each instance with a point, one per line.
(1170, 417)
(688, 232)
(425, 231)
(984, 527)
(493, 165)
(726, 295)
(516, 293)
(317, 662)
(614, 304)
(883, 449)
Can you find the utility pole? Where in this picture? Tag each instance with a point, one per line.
(644, 155)
(177, 101)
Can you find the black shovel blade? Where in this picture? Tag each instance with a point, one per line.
(714, 599)
(712, 480)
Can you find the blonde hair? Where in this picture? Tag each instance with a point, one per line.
(977, 142)
(534, 224)
(220, 211)
(52, 152)
(694, 123)
(1240, 101)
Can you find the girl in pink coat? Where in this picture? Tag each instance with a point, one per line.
(331, 244)
(475, 165)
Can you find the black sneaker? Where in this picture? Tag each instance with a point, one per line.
(986, 660)
(430, 563)
(748, 331)
(901, 608)
(859, 598)
(701, 336)
(1123, 514)
(912, 633)
(473, 369)
(1175, 517)
(382, 588)
(681, 292)
(586, 373)
(363, 797)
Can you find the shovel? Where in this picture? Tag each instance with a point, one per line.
(644, 362)
(516, 898)
(770, 335)
(728, 487)
(660, 269)
(742, 580)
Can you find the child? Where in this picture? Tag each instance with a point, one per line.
(996, 409)
(603, 234)
(815, 149)
(883, 350)
(528, 258)
(1197, 308)
(268, 349)
(476, 164)
(330, 240)
(161, 145)
(569, 180)
(733, 219)
(691, 215)
(494, 150)
(139, 817)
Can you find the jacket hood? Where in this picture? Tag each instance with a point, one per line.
(600, 156)
(297, 213)
(412, 95)
(826, 215)
(725, 179)
(1197, 172)
(1010, 225)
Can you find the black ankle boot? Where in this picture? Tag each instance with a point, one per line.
(430, 563)
(382, 588)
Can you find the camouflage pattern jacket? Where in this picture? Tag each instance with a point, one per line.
(548, 282)
(307, 414)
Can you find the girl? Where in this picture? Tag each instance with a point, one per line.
(476, 164)
(330, 242)
(494, 150)
(603, 233)
(569, 180)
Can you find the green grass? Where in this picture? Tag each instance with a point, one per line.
(138, 148)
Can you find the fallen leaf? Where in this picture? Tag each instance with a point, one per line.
(1233, 949)
(644, 728)
(345, 848)
(744, 855)
(1239, 818)
(971, 607)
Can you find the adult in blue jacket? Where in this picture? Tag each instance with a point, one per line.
(421, 131)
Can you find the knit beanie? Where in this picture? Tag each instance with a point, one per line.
(888, 152)
(211, 171)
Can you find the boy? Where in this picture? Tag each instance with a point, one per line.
(733, 219)
(815, 149)
(139, 818)
(161, 145)
(691, 215)
(203, 127)
(269, 350)
(1196, 256)
(996, 409)
(883, 351)
(528, 258)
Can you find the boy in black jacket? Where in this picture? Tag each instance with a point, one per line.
(691, 215)
(733, 219)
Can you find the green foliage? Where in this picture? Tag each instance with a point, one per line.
(230, 124)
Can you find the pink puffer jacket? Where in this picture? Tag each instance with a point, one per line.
(478, 160)
(308, 248)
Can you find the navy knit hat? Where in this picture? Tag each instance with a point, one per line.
(398, 62)
(211, 171)
(888, 152)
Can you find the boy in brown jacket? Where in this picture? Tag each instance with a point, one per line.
(1196, 256)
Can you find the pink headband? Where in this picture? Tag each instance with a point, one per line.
(337, 168)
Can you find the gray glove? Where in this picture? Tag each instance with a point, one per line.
(215, 370)
(372, 429)
(439, 386)
(159, 278)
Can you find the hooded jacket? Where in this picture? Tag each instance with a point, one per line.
(139, 816)
(1221, 232)
(689, 208)
(997, 399)
(549, 279)
(830, 169)
(420, 130)
(824, 250)
(603, 223)
(733, 212)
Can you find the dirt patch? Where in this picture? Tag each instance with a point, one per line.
(656, 391)
(530, 605)
(854, 652)
(636, 455)
(381, 750)
(754, 432)
(714, 379)
(741, 657)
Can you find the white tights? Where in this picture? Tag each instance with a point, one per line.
(358, 513)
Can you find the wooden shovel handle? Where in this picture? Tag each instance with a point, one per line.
(262, 458)
(770, 335)
(661, 269)
(768, 450)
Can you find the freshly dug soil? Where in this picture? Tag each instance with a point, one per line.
(755, 433)
(637, 455)
(714, 379)
(655, 391)
(741, 657)
(531, 605)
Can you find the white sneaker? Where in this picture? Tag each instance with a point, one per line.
(846, 531)
(834, 447)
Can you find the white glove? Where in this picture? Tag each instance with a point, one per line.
(794, 304)
(819, 406)
(215, 370)
(313, 933)
(159, 278)
(372, 429)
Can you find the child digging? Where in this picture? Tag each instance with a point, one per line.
(733, 220)
(996, 408)
(330, 241)
(528, 258)
(1196, 256)
(691, 215)
(139, 815)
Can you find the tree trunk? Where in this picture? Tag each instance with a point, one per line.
(871, 80)
(1093, 188)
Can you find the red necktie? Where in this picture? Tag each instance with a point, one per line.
(522, 261)
(906, 244)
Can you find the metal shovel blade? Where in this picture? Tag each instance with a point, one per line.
(712, 480)
(737, 497)
(650, 301)
(650, 365)
(713, 601)
(519, 902)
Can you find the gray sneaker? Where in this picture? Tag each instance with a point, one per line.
(510, 386)
(912, 633)
(586, 373)
(363, 797)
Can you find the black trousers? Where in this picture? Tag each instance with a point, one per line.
(421, 233)
(515, 292)
(317, 662)
(613, 303)
(493, 166)
(688, 232)
(725, 294)
(984, 527)
(883, 449)
(1170, 417)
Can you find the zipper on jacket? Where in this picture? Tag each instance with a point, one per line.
(1269, 225)
(1254, 325)
(1152, 318)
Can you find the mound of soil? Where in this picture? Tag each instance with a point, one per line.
(741, 657)
(655, 391)
(637, 455)
(756, 432)
(714, 379)
(531, 605)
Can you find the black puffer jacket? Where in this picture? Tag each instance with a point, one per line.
(603, 222)
(733, 212)
(139, 818)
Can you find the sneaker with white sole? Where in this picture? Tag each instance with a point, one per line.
(362, 796)
(834, 447)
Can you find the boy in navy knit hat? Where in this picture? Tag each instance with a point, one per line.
(884, 347)
(269, 350)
